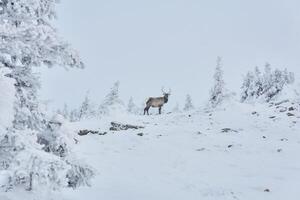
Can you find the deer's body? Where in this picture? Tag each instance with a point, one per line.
(156, 102)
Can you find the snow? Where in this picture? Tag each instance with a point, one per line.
(188, 156)
(7, 96)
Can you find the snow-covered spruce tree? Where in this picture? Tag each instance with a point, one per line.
(248, 88)
(217, 92)
(87, 109)
(265, 86)
(112, 101)
(28, 40)
(131, 107)
(188, 103)
(65, 112)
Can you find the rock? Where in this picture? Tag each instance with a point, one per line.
(283, 110)
(281, 102)
(140, 134)
(201, 149)
(290, 114)
(229, 146)
(102, 133)
(264, 137)
(272, 117)
(267, 190)
(226, 130)
(85, 132)
(254, 113)
(291, 108)
(283, 139)
(279, 150)
(75, 140)
(115, 126)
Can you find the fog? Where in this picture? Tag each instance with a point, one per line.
(149, 44)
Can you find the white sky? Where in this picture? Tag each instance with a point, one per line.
(171, 43)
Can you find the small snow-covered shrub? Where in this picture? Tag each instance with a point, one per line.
(265, 86)
(45, 159)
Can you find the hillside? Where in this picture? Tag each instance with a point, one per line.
(239, 151)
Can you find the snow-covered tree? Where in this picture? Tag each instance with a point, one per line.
(86, 109)
(248, 88)
(188, 103)
(65, 112)
(112, 101)
(28, 40)
(217, 92)
(131, 107)
(265, 86)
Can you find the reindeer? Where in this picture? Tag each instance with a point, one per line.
(157, 102)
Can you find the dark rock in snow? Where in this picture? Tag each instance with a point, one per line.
(291, 108)
(229, 146)
(201, 149)
(290, 114)
(279, 150)
(267, 190)
(281, 102)
(85, 132)
(115, 126)
(264, 137)
(227, 130)
(140, 134)
(283, 109)
(272, 117)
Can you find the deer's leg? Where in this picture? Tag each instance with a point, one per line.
(159, 110)
(146, 110)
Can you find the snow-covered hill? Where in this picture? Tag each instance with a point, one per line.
(240, 151)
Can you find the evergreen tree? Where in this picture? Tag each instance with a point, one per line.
(217, 93)
(265, 86)
(28, 40)
(188, 103)
(248, 86)
(65, 112)
(131, 107)
(112, 101)
(86, 109)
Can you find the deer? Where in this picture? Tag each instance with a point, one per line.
(157, 102)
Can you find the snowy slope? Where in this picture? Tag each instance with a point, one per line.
(192, 157)
(240, 151)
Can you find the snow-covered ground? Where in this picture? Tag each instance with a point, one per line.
(239, 152)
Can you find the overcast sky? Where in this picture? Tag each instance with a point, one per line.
(149, 44)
